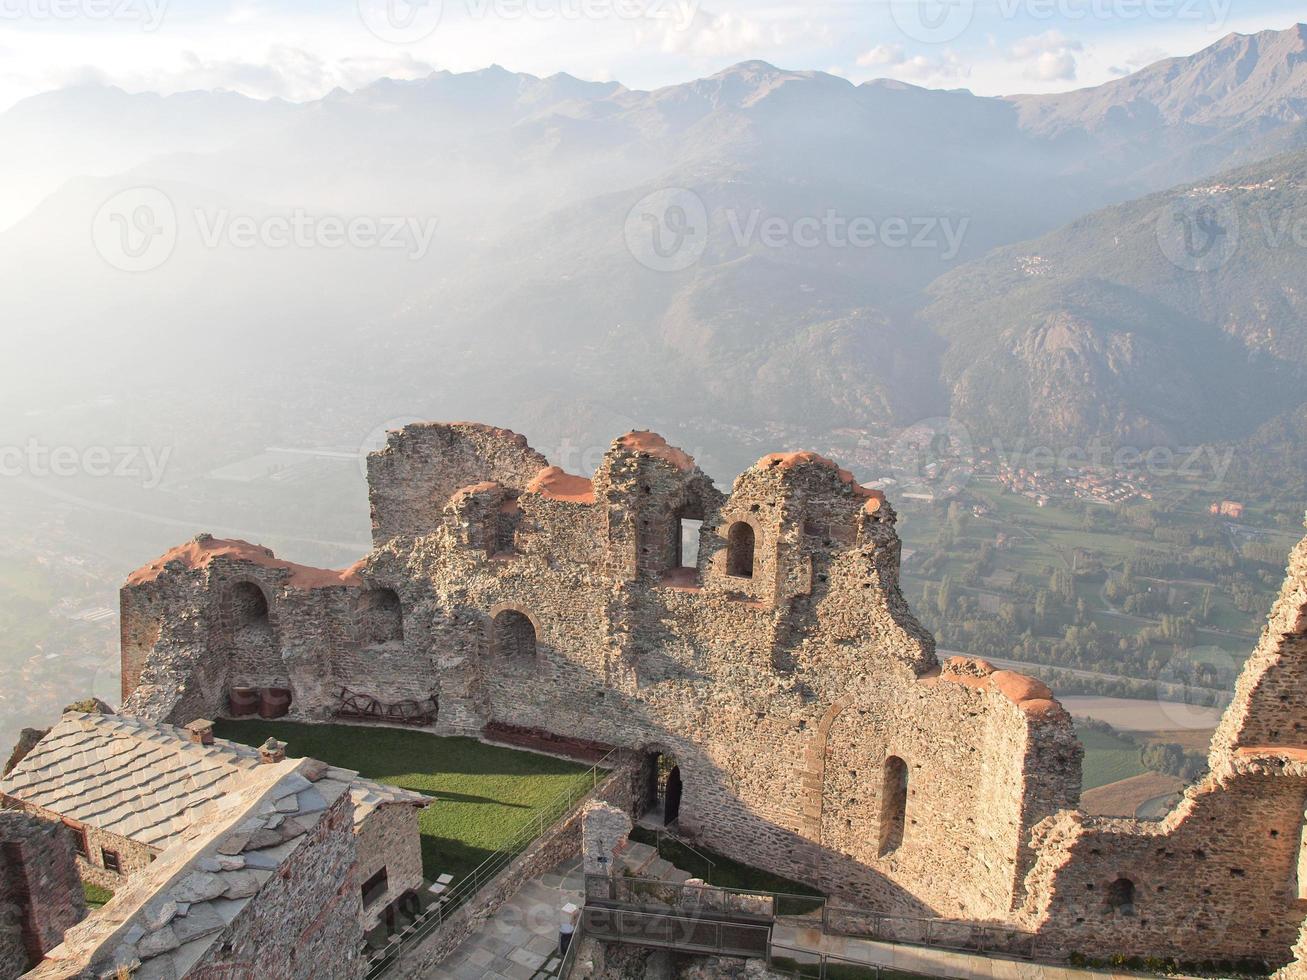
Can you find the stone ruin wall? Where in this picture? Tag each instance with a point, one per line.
(782, 696)
(40, 892)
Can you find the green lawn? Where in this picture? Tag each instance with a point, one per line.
(487, 794)
(1108, 758)
(95, 895)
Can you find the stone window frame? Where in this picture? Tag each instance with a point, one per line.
(492, 632)
(728, 525)
(81, 842)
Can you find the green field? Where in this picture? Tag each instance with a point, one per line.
(486, 795)
(1108, 758)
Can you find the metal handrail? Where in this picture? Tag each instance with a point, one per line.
(686, 932)
(979, 934)
(823, 961)
(606, 884)
(436, 914)
(668, 832)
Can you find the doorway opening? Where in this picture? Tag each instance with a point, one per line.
(662, 790)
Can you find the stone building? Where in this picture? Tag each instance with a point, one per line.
(265, 885)
(756, 650)
(127, 790)
(40, 893)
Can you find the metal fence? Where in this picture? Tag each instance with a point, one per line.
(644, 894)
(973, 937)
(438, 913)
(672, 930)
(802, 964)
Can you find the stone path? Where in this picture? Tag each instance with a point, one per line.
(520, 941)
(928, 961)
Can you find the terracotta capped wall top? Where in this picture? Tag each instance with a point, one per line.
(789, 461)
(203, 549)
(652, 444)
(1031, 695)
(555, 484)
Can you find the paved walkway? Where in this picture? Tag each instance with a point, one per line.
(929, 961)
(520, 941)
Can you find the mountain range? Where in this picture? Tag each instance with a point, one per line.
(1018, 267)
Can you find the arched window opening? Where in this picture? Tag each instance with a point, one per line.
(739, 550)
(515, 636)
(893, 805)
(249, 606)
(383, 616)
(1121, 896)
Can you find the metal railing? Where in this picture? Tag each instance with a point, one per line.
(803, 964)
(439, 912)
(685, 932)
(669, 833)
(644, 894)
(958, 934)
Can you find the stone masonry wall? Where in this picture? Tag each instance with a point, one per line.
(388, 838)
(132, 855)
(815, 732)
(304, 924)
(40, 893)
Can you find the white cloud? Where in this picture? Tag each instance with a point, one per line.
(1048, 57)
(946, 67)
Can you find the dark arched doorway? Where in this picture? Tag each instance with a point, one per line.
(663, 790)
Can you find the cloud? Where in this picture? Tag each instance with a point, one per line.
(947, 66)
(1049, 57)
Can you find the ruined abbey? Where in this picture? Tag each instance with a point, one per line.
(770, 654)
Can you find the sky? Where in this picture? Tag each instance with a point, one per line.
(301, 49)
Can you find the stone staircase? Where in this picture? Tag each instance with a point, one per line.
(642, 861)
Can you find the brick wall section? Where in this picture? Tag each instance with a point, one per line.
(389, 839)
(40, 892)
(304, 923)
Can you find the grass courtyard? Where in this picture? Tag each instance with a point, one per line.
(487, 795)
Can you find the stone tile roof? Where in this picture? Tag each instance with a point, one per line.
(149, 782)
(165, 918)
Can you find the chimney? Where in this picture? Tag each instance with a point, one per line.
(200, 731)
(272, 751)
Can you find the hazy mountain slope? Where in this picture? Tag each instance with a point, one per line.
(1111, 327)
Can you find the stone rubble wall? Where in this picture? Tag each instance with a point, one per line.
(786, 696)
(389, 838)
(132, 855)
(304, 923)
(1296, 970)
(40, 892)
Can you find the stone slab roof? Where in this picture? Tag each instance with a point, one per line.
(150, 783)
(166, 918)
